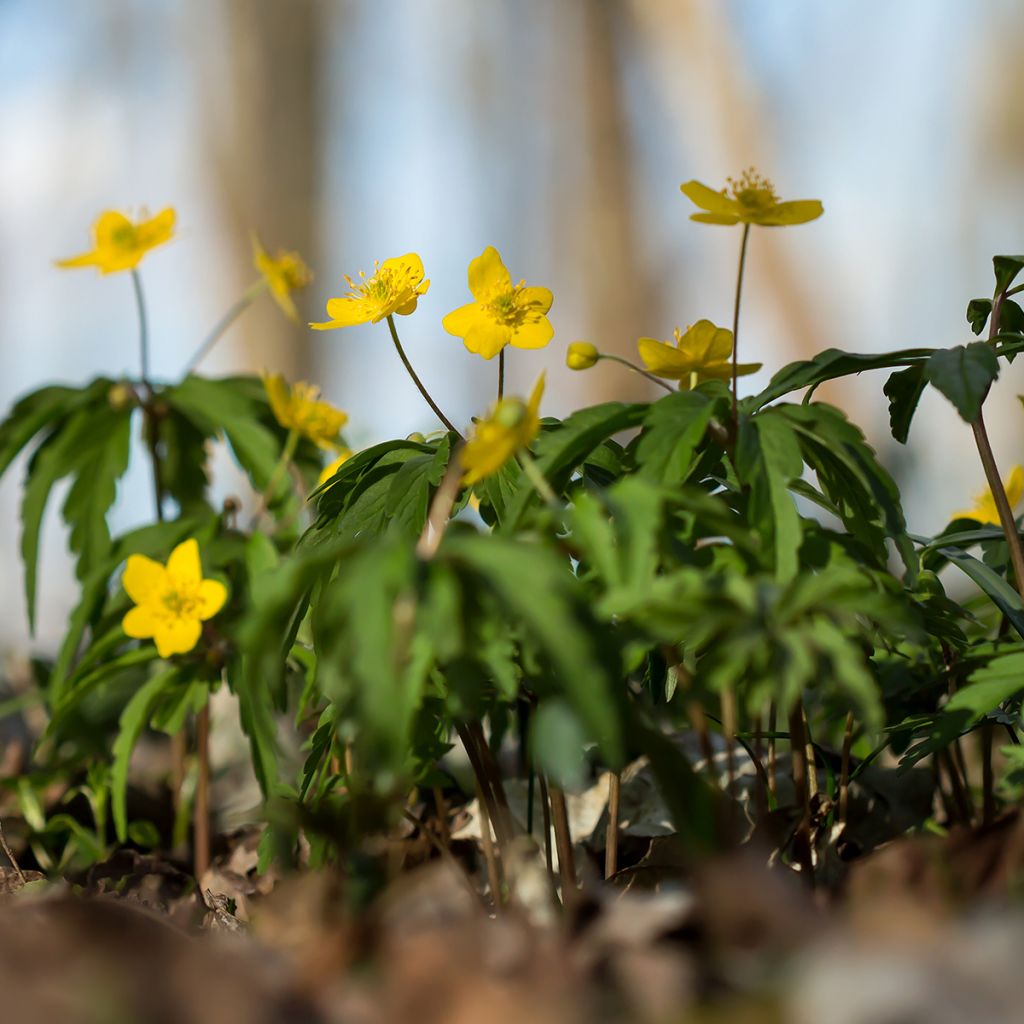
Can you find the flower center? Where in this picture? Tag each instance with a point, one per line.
(752, 191)
(509, 413)
(384, 287)
(181, 604)
(509, 307)
(124, 237)
(293, 270)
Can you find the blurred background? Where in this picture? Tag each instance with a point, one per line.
(558, 132)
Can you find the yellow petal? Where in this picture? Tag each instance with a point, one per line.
(210, 598)
(141, 623)
(409, 265)
(156, 230)
(279, 397)
(183, 566)
(709, 199)
(539, 299)
(799, 211)
(175, 635)
(706, 343)
(144, 580)
(533, 405)
(87, 259)
(1014, 486)
(664, 360)
(487, 338)
(715, 218)
(346, 312)
(407, 307)
(487, 273)
(462, 320)
(533, 335)
(110, 226)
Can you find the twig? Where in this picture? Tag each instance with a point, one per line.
(611, 840)
(9, 854)
(563, 843)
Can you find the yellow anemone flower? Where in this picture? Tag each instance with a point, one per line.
(344, 454)
(502, 313)
(749, 200)
(284, 272)
(701, 353)
(395, 287)
(119, 244)
(581, 355)
(298, 407)
(172, 601)
(984, 508)
(509, 427)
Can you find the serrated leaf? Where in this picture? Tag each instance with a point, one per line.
(673, 428)
(829, 365)
(1006, 270)
(978, 311)
(904, 389)
(964, 375)
(1003, 596)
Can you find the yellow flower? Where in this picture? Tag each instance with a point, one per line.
(702, 353)
(502, 313)
(171, 601)
(984, 509)
(509, 427)
(332, 467)
(297, 407)
(581, 355)
(120, 244)
(750, 200)
(394, 288)
(284, 272)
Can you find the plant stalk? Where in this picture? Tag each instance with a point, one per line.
(611, 839)
(501, 374)
(798, 753)
(844, 771)
(9, 854)
(201, 821)
(563, 843)
(415, 379)
(736, 326)
(253, 292)
(639, 370)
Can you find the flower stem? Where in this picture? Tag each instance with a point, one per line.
(253, 292)
(537, 478)
(140, 303)
(290, 444)
(201, 806)
(637, 369)
(415, 379)
(736, 321)
(501, 375)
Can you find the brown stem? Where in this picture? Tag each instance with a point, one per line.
(812, 760)
(956, 785)
(798, 754)
(844, 771)
(9, 854)
(773, 784)
(960, 765)
(563, 843)
(441, 807)
(484, 782)
(201, 821)
(611, 836)
(545, 805)
(988, 796)
(727, 702)
(490, 859)
(493, 772)
(995, 484)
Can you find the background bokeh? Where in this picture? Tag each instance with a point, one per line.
(558, 132)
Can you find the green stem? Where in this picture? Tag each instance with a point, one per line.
(415, 379)
(736, 323)
(501, 375)
(140, 303)
(290, 444)
(253, 292)
(537, 478)
(637, 369)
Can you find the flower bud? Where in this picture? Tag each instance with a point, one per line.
(122, 396)
(581, 355)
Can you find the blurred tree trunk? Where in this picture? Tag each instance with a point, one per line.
(263, 131)
(599, 214)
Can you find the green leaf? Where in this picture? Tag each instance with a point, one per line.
(561, 450)
(829, 365)
(964, 374)
(904, 389)
(673, 428)
(133, 720)
(1003, 596)
(76, 447)
(1006, 269)
(557, 741)
(978, 311)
